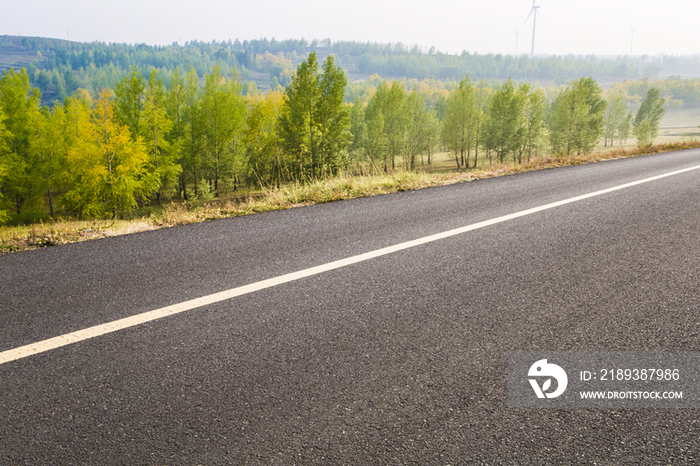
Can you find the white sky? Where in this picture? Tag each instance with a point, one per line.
(601, 27)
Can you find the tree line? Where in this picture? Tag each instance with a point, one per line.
(58, 68)
(509, 122)
(143, 142)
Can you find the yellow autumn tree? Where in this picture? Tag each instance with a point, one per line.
(108, 169)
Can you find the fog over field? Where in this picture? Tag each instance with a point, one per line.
(614, 27)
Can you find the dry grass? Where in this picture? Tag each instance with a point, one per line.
(17, 238)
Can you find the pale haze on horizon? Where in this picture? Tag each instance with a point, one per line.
(593, 27)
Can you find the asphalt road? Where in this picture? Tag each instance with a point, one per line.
(401, 359)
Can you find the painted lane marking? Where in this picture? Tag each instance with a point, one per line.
(109, 327)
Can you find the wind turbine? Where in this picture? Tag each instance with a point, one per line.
(534, 24)
(632, 38)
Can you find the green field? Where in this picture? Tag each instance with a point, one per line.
(679, 124)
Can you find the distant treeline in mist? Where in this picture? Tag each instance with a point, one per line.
(58, 67)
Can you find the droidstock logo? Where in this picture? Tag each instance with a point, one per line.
(542, 369)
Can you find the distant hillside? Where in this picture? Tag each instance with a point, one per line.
(59, 67)
(14, 56)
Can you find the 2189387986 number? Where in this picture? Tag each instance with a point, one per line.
(651, 375)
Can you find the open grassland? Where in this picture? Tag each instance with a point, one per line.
(441, 172)
(679, 124)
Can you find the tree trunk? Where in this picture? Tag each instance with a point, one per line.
(216, 173)
(311, 136)
(48, 193)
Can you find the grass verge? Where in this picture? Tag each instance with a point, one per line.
(63, 231)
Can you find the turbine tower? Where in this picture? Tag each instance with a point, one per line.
(631, 38)
(534, 24)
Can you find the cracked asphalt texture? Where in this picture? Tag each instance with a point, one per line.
(398, 360)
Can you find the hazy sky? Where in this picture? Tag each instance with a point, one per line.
(601, 27)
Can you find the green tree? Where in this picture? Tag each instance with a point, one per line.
(648, 118)
(420, 126)
(482, 94)
(298, 132)
(387, 122)
(462, 115)
(533, 122)
(155, 128)
(358, 129)
(434, 130)
(193, 136)
(332, 119)
(374, 123)
(577, 117)
(261, 139)
(314, 126)
(625, 128)
(174, 110)
(182, 109)
(614, 116)
(459, 122)
(223, 119)
(505, 128)
(395, 123)
(129, 100)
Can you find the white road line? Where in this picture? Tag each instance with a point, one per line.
(109, 327)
